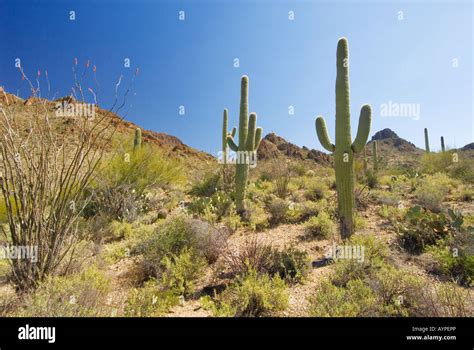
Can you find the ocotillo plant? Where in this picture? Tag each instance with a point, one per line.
(137, 141)
(225, 147)
(249, 140)
(427, 141)
(343, 149)
(442, 144)
(374, 156)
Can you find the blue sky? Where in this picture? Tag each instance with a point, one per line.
(190, 63)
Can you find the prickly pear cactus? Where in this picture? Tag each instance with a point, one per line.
(344, 148)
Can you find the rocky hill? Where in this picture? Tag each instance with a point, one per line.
(274, 147)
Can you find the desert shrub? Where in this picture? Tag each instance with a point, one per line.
(212, 208)
(320, 226)
(371, 287)
(356, 300)
(432, 190)
(181, 271)
(79, 295)
(421, 228)
(253, 254)
(150, 301)
(371, 179)
(278, 210)
(386, 198)
(463, 171)
(299, 212)
(298, 169)
(175, 235)
(291, 264)
(250, 295)
(207, 186)
(449, 300)
(257, 218)
(117, 230)
(232, 220)
(316, 191)
(393, 214)
(9, 302)
(466, 195)
(458, 265)
(125, 179)
(432, 163)
(281, 188)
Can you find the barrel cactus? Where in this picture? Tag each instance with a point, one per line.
(249, 140)
(442, 144)
(137, 141)
(427, 141)
(344, 148)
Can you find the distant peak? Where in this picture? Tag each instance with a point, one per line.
(385, 134)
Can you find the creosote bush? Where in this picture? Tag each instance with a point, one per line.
(250, 295)
(320, 226)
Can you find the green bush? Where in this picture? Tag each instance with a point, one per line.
(421, 228)
(150, 301)
(356, 300)
(181, 271)
(432, 191)
(176, 234)
(320, 226)
(79, 295)
(291, 264)
(121, 189)
(207, 186)
(316, 191)
(278, 210)
(258, 219)
(251, 295)
(458, 265)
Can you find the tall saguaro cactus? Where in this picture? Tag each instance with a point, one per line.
(344, 148)
(427, 141)
(225, 147)
(374, 156)
(442, 144)
(137, 141)
(249, 140)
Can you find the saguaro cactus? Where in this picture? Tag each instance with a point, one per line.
(225, 147)
(343, 149)
(137, 141)
(442, 144)
(374, 156)
(427, 141)
(249, 140)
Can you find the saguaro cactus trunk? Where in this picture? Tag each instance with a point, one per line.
(137, 141)
(344, 148)
(374, 156)
(442, 144)
(427, 141)
(249, 140)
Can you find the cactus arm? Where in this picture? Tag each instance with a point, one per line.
(231, 143)
(249, 146)
(363, 129)
(258, 137)
(323, 136)
(234, 130)
(244, 111)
